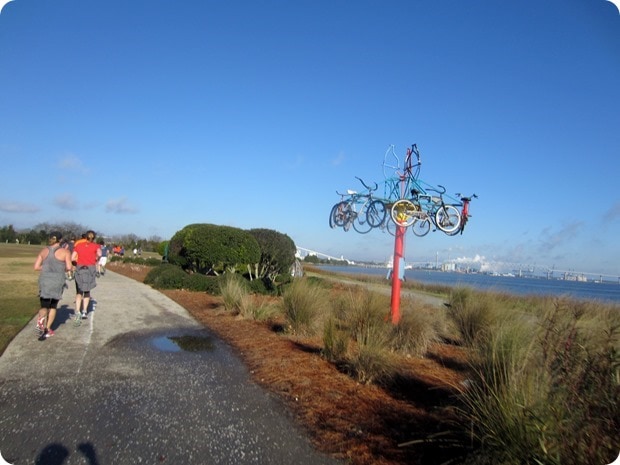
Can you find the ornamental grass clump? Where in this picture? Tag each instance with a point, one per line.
(361, 316)
(418, 328)
(335, 341)
(472, 313)
(253, 307)
(305, 306)
(238, 299)
(545, 386)
(234, 293)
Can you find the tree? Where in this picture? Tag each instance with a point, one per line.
(7, 233)
(277, 253)
(34, 237)
(212, 248)
(162, 248)
(312, 259)
(68, 229)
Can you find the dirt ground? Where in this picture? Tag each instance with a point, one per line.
(360, 424)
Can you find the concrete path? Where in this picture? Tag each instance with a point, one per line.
(117, 390)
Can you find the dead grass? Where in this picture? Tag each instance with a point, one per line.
(361, 424)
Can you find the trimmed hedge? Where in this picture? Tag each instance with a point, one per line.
(202, 283)
(151, 261)
(166, 276)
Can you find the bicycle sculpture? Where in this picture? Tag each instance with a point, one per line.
(410, 202)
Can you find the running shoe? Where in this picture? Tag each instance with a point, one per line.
(84, 316)
(49, 333)
(41, 324)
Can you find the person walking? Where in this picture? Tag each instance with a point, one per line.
(85, 256)
(53, 262)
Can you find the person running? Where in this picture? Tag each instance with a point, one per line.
(103, 260)
(53, 262)
(85, 257)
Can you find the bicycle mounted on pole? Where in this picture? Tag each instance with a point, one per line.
(363, 211)
(410, 201)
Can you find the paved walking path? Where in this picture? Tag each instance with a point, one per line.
(116, 390)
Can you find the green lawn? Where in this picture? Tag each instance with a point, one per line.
(18, 288)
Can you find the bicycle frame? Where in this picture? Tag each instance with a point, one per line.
(423, 208)
(465, 201)
(397, 182)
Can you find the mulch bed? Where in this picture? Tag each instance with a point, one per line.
(361, 424)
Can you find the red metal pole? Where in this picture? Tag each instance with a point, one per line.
(399, 239)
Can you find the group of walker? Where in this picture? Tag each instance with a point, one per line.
(57, 262)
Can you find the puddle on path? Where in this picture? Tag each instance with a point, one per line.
(184, 343)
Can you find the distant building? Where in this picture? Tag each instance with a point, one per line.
(448, 267)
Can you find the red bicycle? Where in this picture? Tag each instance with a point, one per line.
(464, 213)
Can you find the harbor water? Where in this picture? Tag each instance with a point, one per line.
(588, 290)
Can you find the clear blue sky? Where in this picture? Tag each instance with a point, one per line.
(145, 116)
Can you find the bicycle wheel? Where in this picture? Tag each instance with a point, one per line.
(459, 230)
(336, 216)
(348, 216)
(375, 214)
(361, 224)
(404, 212)
(332, 217)
(448, 218)
(421, 226)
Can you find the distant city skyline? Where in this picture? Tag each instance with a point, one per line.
(477, 263)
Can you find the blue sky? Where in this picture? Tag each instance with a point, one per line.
(145, 116)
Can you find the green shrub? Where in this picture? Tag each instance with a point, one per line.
(277, 253)
(152, 261)
(166, 276)
(207, 247)
(201, 283)
(260, 286)
(283, 279)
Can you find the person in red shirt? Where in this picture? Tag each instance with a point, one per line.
(85, 256)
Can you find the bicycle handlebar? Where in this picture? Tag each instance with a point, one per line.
(367, 187)
(437, 190)
(468, 199)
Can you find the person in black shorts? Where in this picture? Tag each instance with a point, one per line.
(53, 262)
